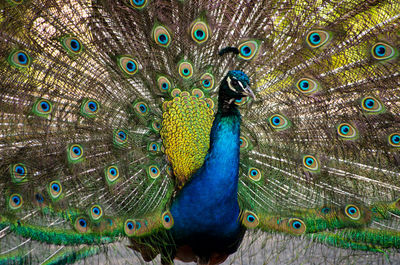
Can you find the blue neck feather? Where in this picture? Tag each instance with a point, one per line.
(207, 208)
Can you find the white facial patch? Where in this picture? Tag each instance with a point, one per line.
(230, 85)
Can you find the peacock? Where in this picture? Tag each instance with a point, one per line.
(167, 131)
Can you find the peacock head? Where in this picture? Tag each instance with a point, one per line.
(235, 86)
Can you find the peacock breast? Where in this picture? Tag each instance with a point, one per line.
(207, 210)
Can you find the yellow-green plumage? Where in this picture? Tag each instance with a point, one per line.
(107, 115)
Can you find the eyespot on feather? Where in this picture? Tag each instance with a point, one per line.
(307, 86)
(250, 219)
(141, 108)
(185, 69)
(207, 81)
(75, 153)
(199, 31)
(317, 38)
(161, 36)
(371, 105)
(164, 84)
(38, 199)
(254, 174)
(128, 65)
(326, 210)
(197, 93)
(55, 189)
(176, 92)
(89, 108)
(19, 59)
(296, 226)
(81, 225)
(96, 212)
(72, 45)
(120, 137)
(15, 201)
(111, 174)
(347, 131)
(153, 147)
(394, 139)
(311, 163)
(382, 51)
(278, 122)
(153, 171)
(169, 171)
(130, 227)
(138, 4)
(155, 126)
(42, 108)
(352, 211)
(18, 172)
(248, 49)
(167, 220)
(210, 103)
(244, 143)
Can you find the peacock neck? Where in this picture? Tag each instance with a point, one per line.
(207, 205)
(227, 107)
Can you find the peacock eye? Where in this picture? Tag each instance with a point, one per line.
(307, 86)
(153, 171)
(248, 49)
(72, 45)
(347, 131)
(185, 70)
(19, 59)
(15, 201)
(96, 212)
(127, 65)
(81, 225)
(138, 4)
(383, 51)
(18, 172)
(279, 122)
(164, 83)
(310, 163)
(317, 38)
(130, 227)
(168, 220)
(325, 210)
(199, 32)
(161, 36)
(39, 198)
(254, 174)
(55, 189)
(120, 137)
(296, 226)
(372, 105)
(353, 212)
(207, 81)
(234, 82)
(250, 219)
(197, 93)
(111, 174)
(75, 153)
(89, 108)
(42, 107)
(394, 140)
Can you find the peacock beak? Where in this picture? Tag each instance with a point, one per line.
(248, 92)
